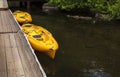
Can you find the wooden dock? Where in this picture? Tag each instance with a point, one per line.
(17, 58)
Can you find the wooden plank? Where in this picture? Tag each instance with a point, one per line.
(24, 58)
(3, 21)
(17, 60)
(32, 60)
(13, 22)
(9, 56)
(3, 4)
(10, 23)
(30, 57)
(3, 71)
(1, 27)
(17, 57)
(7, 22)
(7, 26)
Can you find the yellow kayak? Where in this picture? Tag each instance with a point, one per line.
(41, 39)
(22, 17)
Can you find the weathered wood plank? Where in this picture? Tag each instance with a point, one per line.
(1, 27)
(3, 71)
(7, 22)
(20, 61)
(24, 58)
(32, 60)
(3, 4)
(17, 59)
(16, 56)
(9, 57)
(13, 22)
(1, 22)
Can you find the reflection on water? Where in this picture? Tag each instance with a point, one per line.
(95, 71)
(86, 49)
(48, 65)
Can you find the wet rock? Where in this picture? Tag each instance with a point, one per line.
(79, 17)
(99, 74)
(96, 73)
(49, 8)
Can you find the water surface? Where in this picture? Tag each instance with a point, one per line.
(85, 49)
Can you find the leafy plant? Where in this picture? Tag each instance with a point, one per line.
(114, 9)
(105, 7)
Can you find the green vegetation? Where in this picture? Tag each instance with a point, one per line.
(108, 8)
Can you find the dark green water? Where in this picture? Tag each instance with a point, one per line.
(84, 48)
